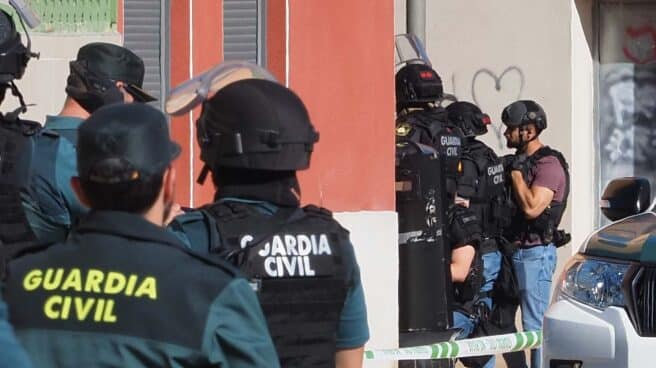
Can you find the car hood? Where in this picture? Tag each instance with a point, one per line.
(630, 239)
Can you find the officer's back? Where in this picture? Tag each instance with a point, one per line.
(101, 74)
(254, 135)
(122, 291)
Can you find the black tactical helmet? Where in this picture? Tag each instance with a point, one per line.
(255, 124)
(469, 118)
(13, 54)
(523, 112)
(417, 85)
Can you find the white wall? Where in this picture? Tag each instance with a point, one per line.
(45, 79)
(583, 197)
(374, 235)
(493, 53)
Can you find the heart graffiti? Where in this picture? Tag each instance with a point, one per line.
(498, 86)
(640, 46)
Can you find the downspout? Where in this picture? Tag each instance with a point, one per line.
(416, 18)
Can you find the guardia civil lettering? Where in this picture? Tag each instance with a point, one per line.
(86, 295)
(291, 254)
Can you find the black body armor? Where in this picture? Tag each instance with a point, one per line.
(294, 261)
(431, 127)
(483, 183)
(16, 147)
(545, 226)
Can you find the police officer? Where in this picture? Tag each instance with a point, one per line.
(421, 119)
(481, 186)
(15, 135)
(102, 74)
(121, 290)
(254, 135)
(540, 185)
(15, 142)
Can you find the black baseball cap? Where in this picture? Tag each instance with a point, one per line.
(124, 142)
(116, 63)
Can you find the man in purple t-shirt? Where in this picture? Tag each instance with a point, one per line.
(540, 184)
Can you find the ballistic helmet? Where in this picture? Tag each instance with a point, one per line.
(522, 112)
(13, 54)
(417, 85)
(469, 118)
(255, 124)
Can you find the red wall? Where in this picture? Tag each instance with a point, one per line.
(341, 63)
(342, 66)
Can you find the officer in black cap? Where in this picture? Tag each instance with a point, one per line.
(102, 74)
(122, 290)
(540, 187)
(254, 135)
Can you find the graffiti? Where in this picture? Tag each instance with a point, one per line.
(640, 44)
(504, 85)
(627, 112)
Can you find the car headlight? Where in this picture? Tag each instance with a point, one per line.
(597, 283)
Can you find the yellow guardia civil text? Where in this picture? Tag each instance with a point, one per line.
(100, 287)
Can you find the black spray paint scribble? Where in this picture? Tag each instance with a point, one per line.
(498, 86)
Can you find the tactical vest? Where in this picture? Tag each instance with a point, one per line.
(294, 262)
(432, 127)
(16, 149)
(486, 190)
(546, 225)
(464, 228)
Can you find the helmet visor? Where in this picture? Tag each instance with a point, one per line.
(409, 50)
(193, 92)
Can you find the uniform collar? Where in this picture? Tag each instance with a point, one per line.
(125, 225)
(263, 206)
(55, 122)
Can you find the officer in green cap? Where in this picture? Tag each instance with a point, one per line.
(121, 291)
(102, 74)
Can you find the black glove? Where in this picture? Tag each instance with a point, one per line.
(520, 163)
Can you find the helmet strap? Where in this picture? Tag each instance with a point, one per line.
(203, 174)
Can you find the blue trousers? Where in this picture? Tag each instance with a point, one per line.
(534, 268)
(491, 267)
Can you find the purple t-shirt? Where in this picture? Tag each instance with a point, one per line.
(547, 173)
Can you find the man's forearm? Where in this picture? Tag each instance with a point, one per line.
(349, 358)
(532, 201)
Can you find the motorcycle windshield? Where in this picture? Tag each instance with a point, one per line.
(195, 91)
(409, 50)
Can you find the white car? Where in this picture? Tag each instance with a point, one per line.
(603, 313)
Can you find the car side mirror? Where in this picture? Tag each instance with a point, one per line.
(625, 197)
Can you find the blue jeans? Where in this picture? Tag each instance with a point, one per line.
(491, 267)
(534, 268)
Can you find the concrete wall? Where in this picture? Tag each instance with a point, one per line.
(493, 53)
(584, 195)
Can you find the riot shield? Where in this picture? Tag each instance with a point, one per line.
(425, 293)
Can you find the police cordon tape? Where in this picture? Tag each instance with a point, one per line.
(487, 345)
